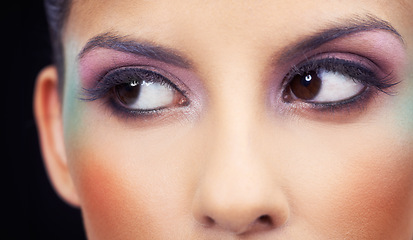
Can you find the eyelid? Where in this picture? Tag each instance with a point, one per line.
(98, 62)
(381, 47)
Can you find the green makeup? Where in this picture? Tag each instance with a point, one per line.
(73, 108)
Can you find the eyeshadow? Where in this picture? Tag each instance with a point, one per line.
(98, 62)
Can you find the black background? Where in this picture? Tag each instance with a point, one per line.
(31, 208)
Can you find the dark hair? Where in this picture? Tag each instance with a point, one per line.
(56, 12)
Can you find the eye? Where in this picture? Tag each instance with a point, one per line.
(144, 95)
(138, 90)
(332, 83)
(323, 86)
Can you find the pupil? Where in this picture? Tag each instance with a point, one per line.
(128, 93)
(308, 78)
(306, 86)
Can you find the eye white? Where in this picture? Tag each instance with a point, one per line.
(153, 95)
(336, 87)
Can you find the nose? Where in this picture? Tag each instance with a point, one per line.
(239, 214)
(238, 192)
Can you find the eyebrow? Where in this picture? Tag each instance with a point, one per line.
(117, 42)
(341, 28)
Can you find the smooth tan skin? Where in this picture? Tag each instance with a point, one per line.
(214, 173)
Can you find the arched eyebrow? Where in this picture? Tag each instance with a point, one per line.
(117, 42)
(340, 28)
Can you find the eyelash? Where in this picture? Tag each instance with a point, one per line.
(354, 70)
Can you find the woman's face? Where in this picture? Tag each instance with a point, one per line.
(229, 119)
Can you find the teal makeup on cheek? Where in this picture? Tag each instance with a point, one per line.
(405, 111)
(408, 105)
(73, 107)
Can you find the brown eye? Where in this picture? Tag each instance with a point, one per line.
(306, 87)
(148, 95)
(127, 93)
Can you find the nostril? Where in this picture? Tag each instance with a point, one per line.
(265, 220)
(209, 221)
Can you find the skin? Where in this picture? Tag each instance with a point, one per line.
(236, 165)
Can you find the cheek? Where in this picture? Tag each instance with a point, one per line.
(358, 186)
(131, 182)
(109, 197)
(375, 199)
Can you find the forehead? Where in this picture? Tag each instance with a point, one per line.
(191, 24)
(234, 15)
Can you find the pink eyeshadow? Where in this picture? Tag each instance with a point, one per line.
(99, 61)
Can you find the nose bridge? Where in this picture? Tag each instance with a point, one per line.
(234, 120)
(236, 191)
(236, 104)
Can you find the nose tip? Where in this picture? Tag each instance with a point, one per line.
(241, 215)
